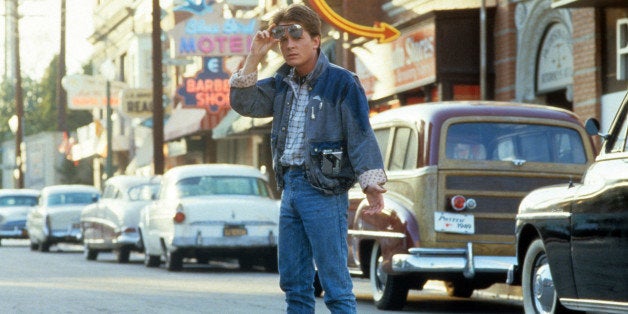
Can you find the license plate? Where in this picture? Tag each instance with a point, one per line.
(454, 223)
(234, 231)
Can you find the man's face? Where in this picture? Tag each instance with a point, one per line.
(298, 48)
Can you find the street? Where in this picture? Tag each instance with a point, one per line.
(62, 281)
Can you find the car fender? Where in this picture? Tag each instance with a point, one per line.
(395, 228)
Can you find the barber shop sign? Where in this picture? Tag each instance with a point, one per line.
(208, 89)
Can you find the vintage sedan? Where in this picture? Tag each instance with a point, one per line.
(111, 224)
(572, 239)
(56, 219)
(456, 174)
(211, 211)
(15, 204)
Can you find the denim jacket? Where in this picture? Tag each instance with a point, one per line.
(339, 142)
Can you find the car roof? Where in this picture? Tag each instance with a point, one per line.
(51, 189)
(438, 112)
(26, 192)
(127, 181)
(187, 171)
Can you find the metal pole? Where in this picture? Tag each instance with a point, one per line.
(61, 94)
(158, 109)
(108, 163)
(483, 51)
(19, 102)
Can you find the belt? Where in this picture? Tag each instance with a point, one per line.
(292, 168)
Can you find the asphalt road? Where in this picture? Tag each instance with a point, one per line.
(62, 281)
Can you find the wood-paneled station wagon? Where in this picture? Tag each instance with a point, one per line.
(457, 172)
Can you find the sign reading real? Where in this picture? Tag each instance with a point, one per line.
(137, 102)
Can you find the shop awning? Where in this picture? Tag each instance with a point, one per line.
(588, 3)
(185, 121)
(234, 124)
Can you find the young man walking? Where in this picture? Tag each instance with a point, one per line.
(322, 143)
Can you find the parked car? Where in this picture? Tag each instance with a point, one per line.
(572, 238)
(111, 224)
(456, 174)
(14, 207)
(56, 219)
(211, 211)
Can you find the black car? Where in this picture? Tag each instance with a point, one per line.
(572, 239)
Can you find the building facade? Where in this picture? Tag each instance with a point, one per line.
(571, 54)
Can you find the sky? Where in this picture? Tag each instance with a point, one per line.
(40, 35)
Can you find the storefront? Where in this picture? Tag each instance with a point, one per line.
(436, 57)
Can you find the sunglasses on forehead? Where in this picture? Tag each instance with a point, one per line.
(295, 31)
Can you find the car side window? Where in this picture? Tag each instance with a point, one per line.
(404, 151)
(109, 191)
(382, 137)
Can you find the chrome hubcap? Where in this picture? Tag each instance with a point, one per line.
(543, 289)
(381, 275)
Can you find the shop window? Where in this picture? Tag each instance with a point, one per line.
(622, 48)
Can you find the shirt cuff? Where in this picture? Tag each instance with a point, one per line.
(372, 177)
(241, 81)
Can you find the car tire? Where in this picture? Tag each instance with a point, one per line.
(270, 263)
(174, 261)
(246, 263)
(458, 288)
(152, 260)
(122, 255)
(34, 246)
(539, 297)
(90, 255)
(389, 292)
(44, 246)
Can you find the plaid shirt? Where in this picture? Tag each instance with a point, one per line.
(293, 154)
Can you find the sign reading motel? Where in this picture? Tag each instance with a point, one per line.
(210, 34)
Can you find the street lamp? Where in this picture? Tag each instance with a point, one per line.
(108, 72)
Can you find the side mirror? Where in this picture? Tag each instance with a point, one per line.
(592, 125)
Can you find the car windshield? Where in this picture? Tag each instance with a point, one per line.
(143, 192)
(512, 141)
(18, 200)
(221, 185)
(71, 198)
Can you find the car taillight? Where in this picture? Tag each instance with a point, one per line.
(458, 203)
(179, 216)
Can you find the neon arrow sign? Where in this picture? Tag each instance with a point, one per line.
(384, 32)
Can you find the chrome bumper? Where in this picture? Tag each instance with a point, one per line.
(450, 260)
(200, 241)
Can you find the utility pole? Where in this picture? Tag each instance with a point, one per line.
(61, 93)
(19, 102)
(158, 109)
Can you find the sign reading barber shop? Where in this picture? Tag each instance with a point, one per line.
(208, 33)
(209, 89)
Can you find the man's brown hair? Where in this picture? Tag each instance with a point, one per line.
(300, 14)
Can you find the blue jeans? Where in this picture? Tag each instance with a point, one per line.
(313, 228)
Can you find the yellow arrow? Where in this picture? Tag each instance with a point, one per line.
(384, 32)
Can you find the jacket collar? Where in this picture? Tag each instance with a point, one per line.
(322, 63)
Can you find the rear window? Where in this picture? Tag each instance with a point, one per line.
(18, 201)
(514, 141)
(221, 185)
(71, 198)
